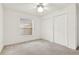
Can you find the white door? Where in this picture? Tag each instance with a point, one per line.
(60, 30)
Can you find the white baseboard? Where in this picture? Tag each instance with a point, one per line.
(1, 47)
(14, 43)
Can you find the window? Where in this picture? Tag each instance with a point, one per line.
(26, 26)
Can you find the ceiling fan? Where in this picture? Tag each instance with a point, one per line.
(41, 7)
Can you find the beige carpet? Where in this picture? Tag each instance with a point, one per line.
(38, 47)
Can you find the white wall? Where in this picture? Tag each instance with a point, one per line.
(1, 27)
(47, 26)
(12, 27)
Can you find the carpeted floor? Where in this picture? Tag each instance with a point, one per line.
(38, 47)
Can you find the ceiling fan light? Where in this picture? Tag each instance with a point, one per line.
(40, 9)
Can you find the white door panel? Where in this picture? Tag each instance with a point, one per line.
(60, 30)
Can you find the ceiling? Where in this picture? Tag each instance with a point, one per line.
(30, 8)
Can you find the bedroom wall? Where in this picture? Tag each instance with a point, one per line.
(12, 27)
(47, 28)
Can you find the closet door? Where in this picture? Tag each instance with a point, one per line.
(60, 29)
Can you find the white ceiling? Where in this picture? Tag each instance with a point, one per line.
(30, 8)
